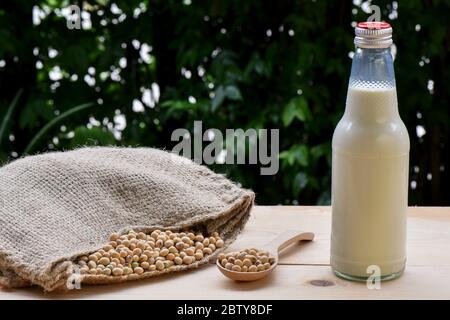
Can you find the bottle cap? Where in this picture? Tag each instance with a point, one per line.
(373, 35)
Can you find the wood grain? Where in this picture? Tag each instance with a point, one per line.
(302, 274)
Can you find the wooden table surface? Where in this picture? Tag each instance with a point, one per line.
(427, 274)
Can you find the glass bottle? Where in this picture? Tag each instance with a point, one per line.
(370, 166)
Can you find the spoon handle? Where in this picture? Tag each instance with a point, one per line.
(287, 238)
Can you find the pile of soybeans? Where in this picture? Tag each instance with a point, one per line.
(137, 252)
(248, 260)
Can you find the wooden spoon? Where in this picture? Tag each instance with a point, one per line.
(281, 242)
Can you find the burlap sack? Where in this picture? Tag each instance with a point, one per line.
(57, 206)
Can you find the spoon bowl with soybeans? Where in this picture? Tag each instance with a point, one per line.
(254, 264)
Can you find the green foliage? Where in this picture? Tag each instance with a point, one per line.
(91, 137)
(296, 108)
(162, 64)
(7, 116)
(45, 129)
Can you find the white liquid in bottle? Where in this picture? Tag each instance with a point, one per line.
(370, 179)
(369, 182)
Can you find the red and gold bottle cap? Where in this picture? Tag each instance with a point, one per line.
(373, 35)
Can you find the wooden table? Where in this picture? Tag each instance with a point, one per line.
(427, 274)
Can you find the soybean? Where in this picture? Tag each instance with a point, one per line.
(135, 253)
(248, 260)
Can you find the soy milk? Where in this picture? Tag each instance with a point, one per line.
(370, 168)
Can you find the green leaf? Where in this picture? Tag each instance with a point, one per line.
(288, 156)
(260, 67)
(28, 117)
(31, 146)
(317, 151)
(324, 198)
(219, 97)
(299, 183)
(255, 65)
(302, 154)
(296, 154)
(177, 105)
(297, 108)
(36, 109)
(8, 114)
(91, 137)
(233, 93)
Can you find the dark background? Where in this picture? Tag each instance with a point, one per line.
(140, 69)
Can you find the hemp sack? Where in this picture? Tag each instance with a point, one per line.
(58, 206)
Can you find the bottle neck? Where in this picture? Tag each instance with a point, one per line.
(372, 96)
(373, 68)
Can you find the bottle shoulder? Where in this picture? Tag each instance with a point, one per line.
(388, 138)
